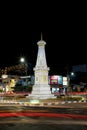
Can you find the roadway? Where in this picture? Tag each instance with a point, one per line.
(71, 116)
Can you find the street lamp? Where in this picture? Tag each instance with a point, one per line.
(22, 60)
(72, 73)
(70, 77)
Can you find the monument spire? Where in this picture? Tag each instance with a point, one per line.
(41, 88)
(41, 36)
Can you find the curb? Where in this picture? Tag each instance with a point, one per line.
(40, 104)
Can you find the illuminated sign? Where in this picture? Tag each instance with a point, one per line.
(55, 79)
(60, 80)
(4, 76)
(65, 82)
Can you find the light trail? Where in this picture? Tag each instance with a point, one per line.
(69, 116)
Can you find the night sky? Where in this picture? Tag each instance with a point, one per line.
(64, 31)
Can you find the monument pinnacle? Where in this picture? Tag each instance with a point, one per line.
(41, 36)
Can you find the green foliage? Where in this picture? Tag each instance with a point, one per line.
(73, 98)
(1, 90)
(20, 88)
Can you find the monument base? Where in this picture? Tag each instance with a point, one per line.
(41, 92)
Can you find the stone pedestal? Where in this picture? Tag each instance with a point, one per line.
(41, 92)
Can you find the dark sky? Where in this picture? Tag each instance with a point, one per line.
(64, 30)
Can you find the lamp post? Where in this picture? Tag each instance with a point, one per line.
(69, 79)
(22, 60)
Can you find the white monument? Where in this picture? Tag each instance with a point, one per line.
(41, 89)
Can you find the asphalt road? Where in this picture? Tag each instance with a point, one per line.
(43, 122)
(72, 108)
